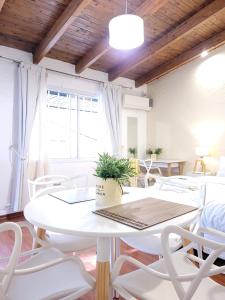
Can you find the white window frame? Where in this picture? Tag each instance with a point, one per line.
(76, 93)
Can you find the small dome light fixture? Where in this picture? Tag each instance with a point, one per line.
(126, 31)
(204, 53)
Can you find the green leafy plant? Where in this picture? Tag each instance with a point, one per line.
(158, 151)
(114, 168)
(149, 151)
(132, 151)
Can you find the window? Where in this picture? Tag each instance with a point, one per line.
(74, 125)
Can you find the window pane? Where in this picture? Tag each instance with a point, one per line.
(61, 129)
(73, 126)
(89, 126)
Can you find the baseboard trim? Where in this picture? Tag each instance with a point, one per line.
(17, 216)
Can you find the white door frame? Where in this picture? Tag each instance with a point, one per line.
(141, 116)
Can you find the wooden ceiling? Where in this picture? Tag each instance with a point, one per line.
(76, 31)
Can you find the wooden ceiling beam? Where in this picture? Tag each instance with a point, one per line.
(93, 55)
(210, 44)
(1, 4)
(73, 10)
(167, 39)
(102, 47)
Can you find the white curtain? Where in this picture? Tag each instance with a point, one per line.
(38, 158)
(112, 99)
(28, 87)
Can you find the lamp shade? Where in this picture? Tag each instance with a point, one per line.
(126, 32)
(202, 151)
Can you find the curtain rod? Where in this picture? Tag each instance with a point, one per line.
(68, 74)
(11, 59)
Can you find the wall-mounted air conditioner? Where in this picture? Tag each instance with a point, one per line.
(137, 102)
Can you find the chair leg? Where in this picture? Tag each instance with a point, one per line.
(115, 251)
(186, 242)
(146, 180)
(112, 253)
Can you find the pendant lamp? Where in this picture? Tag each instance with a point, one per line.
(126, 31)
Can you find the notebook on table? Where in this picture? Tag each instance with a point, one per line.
(145, 213)
(75, 195)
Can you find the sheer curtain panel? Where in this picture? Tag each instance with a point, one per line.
(112, 99)
(28, 91)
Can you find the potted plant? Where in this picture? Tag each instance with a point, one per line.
(112, 173)
(132, 152)
(153, 153)
(149, 152)
(158, 151)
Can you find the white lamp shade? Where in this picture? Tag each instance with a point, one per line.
(202, 151)
(126, 32)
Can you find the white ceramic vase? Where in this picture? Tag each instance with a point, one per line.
(154, 156)
(108, 192)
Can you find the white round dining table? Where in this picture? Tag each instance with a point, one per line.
(78, 219)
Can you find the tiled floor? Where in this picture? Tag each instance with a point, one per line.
(87, 256)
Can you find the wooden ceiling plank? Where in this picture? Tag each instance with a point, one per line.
(73, 10)
(148, 7)
(1, 4)
(167, 39)
(210, 44)
(92, 56)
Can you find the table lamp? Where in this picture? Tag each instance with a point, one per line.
(199, 163)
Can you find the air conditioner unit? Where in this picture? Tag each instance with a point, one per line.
(137, 102)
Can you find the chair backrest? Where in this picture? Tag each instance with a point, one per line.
(206, 267)
(48, 190)
(80, 180)
(7, 272)
(146, 163)
(44, 182)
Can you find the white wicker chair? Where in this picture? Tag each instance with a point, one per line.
(65, 242)
(45, 273)
(175, 276)
(151, 243)
(45, 181)
(147, 164)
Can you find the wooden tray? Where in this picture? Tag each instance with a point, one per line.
(145, 213)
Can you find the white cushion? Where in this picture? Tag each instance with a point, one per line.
(144, 286)
(213, 216)
(57, 281)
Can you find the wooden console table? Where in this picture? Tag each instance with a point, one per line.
(169, 164)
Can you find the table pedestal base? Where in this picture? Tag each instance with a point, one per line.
(103, 290)
(41, 234)
(103, 280)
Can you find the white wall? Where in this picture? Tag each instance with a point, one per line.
(7, 73)
(54, 79)
(189, 110)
